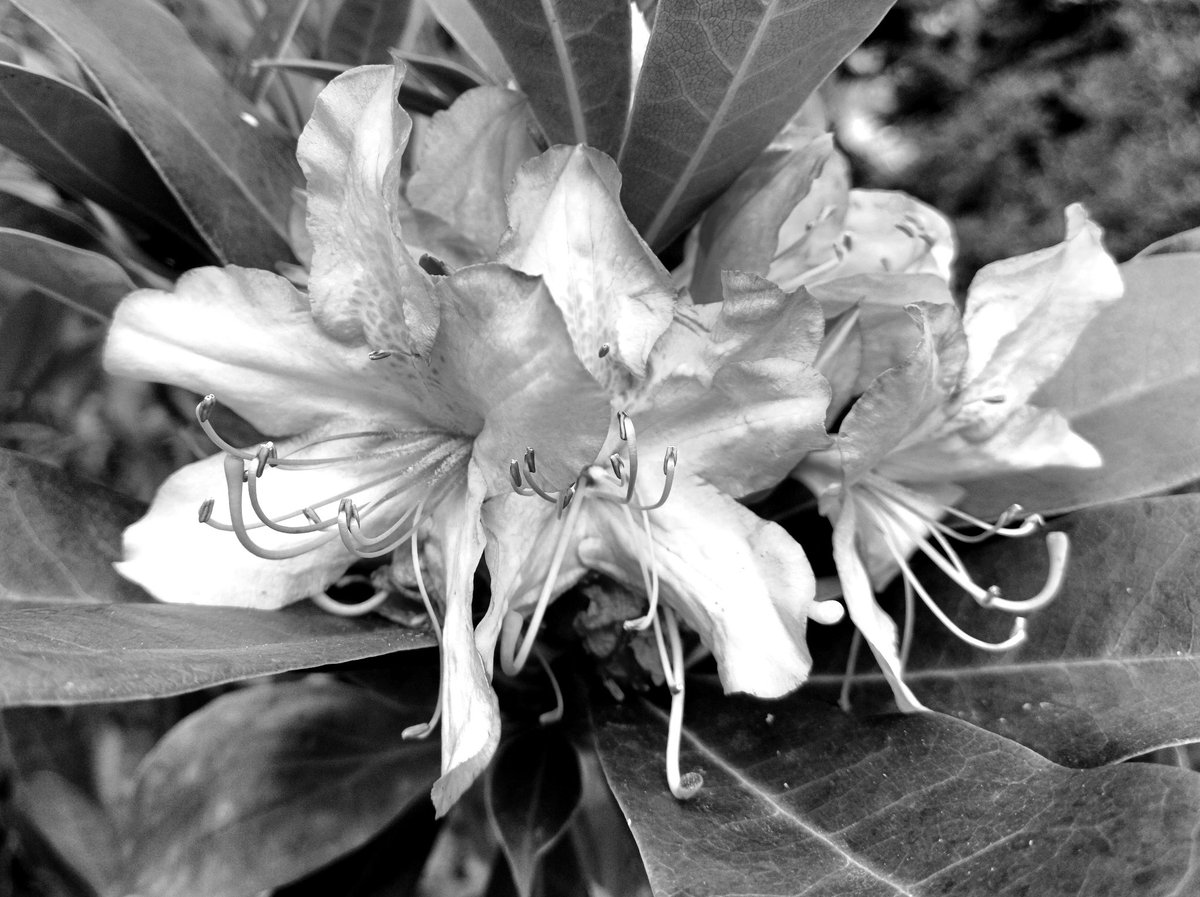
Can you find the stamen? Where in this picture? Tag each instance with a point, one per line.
(421, 730)
(618, 466)
(233, 481)
(649, 567)
(203, 412)
(1018, 632)
(349, 520)
(206, 509)
(331, 605)
(848, 676)
(565, 535)
(670, 460)
(379, 354)
(687, 786)
(629, 435)
(514, 476)
(565, 498)
(909, 620)
(1058, 545)
(316, 524)
(555, 715)
(664, 658)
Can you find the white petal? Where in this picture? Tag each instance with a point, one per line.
(248, 337)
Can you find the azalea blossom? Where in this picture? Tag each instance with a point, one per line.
(399, 396)
(957, 409)
(792, 217)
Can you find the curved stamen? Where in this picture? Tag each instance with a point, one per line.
(421, 730)
(1018, 631)
(203, 411)
(234, 469)
(331, 605)
(629, 435)
(565, 535)
(686, 786)
(349, 520)
(649, 573)
(670, 459)
(664, 657)
(556, 714)
(514, 476)
(530, 472)
(848, 676)
(316, 524)
(618, 466)
(1058, 545)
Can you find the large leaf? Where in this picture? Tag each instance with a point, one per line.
(719, 80)
(61, 535)
(801, 799)
(43, 121)
(232, 171)
(1131, 387)
(364, 31)
(533, 788)
(86, 281)
(269, 783)
(572, 59)
(464, 24)
(78, 653)
(1110, 670)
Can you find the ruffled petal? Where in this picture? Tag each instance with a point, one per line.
(743, 403)
(739, 232)
(469, 156)
(470, 711)
(1025, 314)
(739, 581)
(905, 401)
(503, 358)
(876, 627)
(567, 225)
(248, 337)
(364, 283)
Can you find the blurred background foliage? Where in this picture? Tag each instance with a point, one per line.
(1001, 112)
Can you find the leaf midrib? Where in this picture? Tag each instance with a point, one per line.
(689, 170)
(570, 82)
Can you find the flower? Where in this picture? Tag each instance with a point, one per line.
(400, 395)
(729, 401)
(792, 218)
(956, 409)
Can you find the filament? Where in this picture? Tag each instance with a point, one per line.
(649, 567)
(683, 787)
(234, 469)
(329, 604)
(556, 714)
(848, 677)
(421, 730)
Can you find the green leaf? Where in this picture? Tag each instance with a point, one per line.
(720, 78)
(232, 171)
(266, 784)
(801, 799)
(463, 23)
(1110, 670)
(1129, 387)
(61, 536)
(75, 143)
(572, 59)
(86, 281)
(364, 31)
(533, 789)
(55, 654)
(18, 213)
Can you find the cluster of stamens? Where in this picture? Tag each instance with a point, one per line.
(616, 484)
(889, 499)
(245, 467)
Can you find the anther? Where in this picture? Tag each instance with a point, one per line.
(378, 354)
(204, 409)
(530, 460)
(997, 399)
(670, 459)
(206, 509)
(514, 474)
(265, 455)
(622, 419)
(431, 264)
(618, 465)
(604, 349)
(348, 511)
(848, 241)
(907, 229)
(568, 494)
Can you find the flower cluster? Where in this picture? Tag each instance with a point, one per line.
(489, 364)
